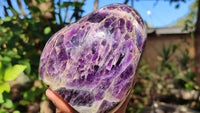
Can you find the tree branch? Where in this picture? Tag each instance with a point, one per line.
(59, 14)
(126, 1)
(132, 3)
(20, 7)
(66, 14)
(14, 12)
(76, 12)
(5, 10)
(10, 5)
(95, 5)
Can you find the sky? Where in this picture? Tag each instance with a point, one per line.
(157, 13)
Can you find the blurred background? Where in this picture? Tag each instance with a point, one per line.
(168, 78)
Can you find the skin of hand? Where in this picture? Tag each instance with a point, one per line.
(63, 107)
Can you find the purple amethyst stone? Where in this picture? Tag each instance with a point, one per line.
(91, 63)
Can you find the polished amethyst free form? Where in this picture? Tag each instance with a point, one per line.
(91, 63)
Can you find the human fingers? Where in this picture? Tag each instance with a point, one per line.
(61, 105)
(123, 107)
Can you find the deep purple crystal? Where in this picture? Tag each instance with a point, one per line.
(91, 63)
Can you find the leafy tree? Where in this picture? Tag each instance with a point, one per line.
(22, 38)
(190, 19)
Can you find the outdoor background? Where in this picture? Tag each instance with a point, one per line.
(168, 79)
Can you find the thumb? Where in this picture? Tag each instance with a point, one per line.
(61, 105)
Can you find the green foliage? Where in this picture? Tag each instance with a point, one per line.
(47, 30)
(4, 87)
(75, 4)
(3, 111)
(178, 2)
(189, 21)
(1, 98)
(22, 38)
(172, 72)
(8, 103)
(184, 59)
(165, 56)
(12, 73)
(16, 111)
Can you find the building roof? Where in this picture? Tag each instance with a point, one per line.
(167, 30)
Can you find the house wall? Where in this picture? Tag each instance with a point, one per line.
(155, 43)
